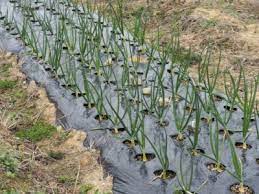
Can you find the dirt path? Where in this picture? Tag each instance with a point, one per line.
(35, 156)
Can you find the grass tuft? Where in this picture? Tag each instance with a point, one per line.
(66, 179)
(5, 84)
(9, 163)
(86, 188)
(56, 155)
(38, 132)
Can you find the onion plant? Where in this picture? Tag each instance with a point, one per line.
(99, 101)
(159, 98)
(44, 49)
(161, 104)
(70, 38)
(117, 16)
(217, 147)
(133, 123)
(256, 115)
(150, 102)
(139, 28)
(207, 83)
(113, 117)
(142, 140)
(195, 126)
(55, 57)
(70, 72)
(88, 94)
(160, 149)
(45, 22)
(22, 30)
(238, 167)
(182, 176)
(181, 115)
(246, 101)
(225, 117)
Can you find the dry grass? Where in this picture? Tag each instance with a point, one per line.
(60, 164)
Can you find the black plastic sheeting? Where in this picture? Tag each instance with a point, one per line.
(131, 176)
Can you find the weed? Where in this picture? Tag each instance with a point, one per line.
(37, 132)
(84, 189)
(56, 155)
(66, 179)
(5, 84)
(9, 164)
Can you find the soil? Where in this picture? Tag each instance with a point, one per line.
(59, 164)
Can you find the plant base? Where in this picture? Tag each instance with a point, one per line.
(218, 168)
(130, 143)
(117, 130)
(197, 152)
(178, 137)
(243, 146)
(169, 174)
(102, 117)
(241, 189)
(149, 157)
(89, 105)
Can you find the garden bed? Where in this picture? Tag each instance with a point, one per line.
(158, 130)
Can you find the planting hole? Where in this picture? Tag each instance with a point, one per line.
(169, 71)
(190, 109)
(60, 76)
(68, 85)
(207, 120)
(191, 129)
(110, 82)
(169, 174)
(238, 188)
(89, 105)
(197, 152)
(47, 68)
(65, 48)
(78, 94)
(130, 143)
(243, 146)
(257, 161)
(218, 168)
(101, 117)
(120, 90)
(184, 192)
(164, 123)
(146, 112)
(149, 157)
(140, 72)
(229, 108)
(225, 133)
(134, 101)
(218, 98)
(200, 88)
(117, 130)
(251, 120)
(178, 137)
